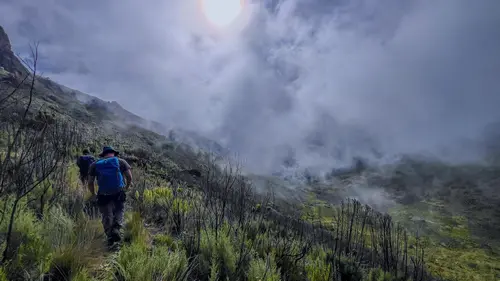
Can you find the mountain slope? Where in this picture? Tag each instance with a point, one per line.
(92, 110)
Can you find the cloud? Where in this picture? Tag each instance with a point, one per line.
(324, 79)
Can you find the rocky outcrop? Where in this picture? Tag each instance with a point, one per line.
(8, 60)
(4, 41)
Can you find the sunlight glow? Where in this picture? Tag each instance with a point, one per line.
(222, 12)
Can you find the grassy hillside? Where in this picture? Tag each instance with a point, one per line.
(455, 208)
(189, 218)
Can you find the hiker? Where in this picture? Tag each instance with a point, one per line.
(110, 172)
(83, 162)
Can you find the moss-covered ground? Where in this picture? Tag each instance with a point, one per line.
(452, 251)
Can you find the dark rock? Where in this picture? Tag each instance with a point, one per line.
(472, 265)
(4, 41)
(194, 172)
(7, 58)
(486, 246)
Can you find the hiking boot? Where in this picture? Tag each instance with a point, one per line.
(114, 243)
(110, 242)
(115, 235)
(115, 247)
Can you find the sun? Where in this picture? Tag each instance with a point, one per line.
(222, 12)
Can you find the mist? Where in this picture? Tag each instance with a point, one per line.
(315, 82)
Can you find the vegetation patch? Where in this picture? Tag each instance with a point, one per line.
(452, 252)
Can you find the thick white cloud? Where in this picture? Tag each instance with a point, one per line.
(413, 75)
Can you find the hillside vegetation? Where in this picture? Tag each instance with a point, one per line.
(192, 215)
(455, 206)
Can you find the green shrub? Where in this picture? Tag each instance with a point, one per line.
(67, 262)
(29, 252)
(215, 268)
(40, 197)
(180, 206)
(3, 275)
(166, 205)
(317, 267)
(55, 246)
(262, 244)
(73, 179)
(83, 276)
(377, 274)
(136, 263)
(217, 254)
(165, 240)
(158, 196)
(134, 229)
(349, 270)
(286, 250)
(76, 245)
(263, 270)
(57, 228)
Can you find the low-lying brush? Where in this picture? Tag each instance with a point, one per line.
(136, 262)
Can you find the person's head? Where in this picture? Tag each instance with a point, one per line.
(108, 151)
(86, 151)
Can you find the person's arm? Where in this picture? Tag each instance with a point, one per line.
(128, 177)
(127, 172)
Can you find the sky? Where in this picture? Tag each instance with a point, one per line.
(316, 80)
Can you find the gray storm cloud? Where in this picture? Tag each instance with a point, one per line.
(319, 81)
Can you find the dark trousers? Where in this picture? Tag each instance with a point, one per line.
(112, 208)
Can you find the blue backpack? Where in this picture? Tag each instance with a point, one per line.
(109, 176)
(84, 163)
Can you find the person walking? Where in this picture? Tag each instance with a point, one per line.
(110, 172)
(83, 162)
